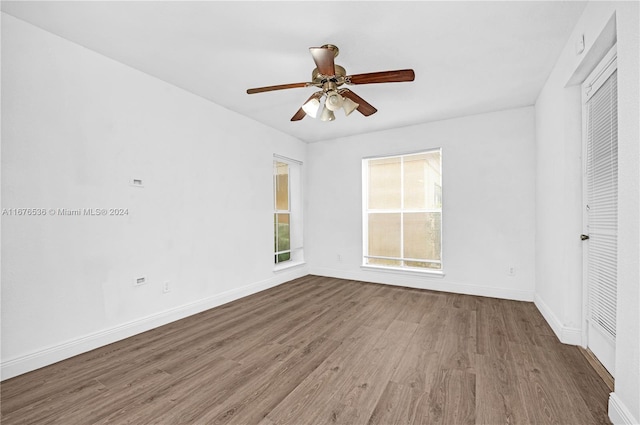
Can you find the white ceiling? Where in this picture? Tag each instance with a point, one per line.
(469, 57)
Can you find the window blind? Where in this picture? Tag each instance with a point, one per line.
(602, 204)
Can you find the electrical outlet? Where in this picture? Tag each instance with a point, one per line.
(141, 280)
(136, 182)
(339, 258)
(511, 271)
(165, 287)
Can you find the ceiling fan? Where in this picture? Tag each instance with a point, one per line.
(329, 77)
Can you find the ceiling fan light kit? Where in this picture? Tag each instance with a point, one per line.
(329, 77)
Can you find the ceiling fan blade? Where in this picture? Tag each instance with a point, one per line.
(299, 115)
(364, 107)
(279, 87)
(323, 57)
(382, 77)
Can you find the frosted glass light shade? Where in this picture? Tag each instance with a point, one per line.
(327, 115)
(334, 101)
(311, 107)
(349, 106)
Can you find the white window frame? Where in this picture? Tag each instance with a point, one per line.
(296, 224)
(402, 210)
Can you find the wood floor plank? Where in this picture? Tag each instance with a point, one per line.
(116, 396)
(491, 328)
(386, 307)
(521, 327)
(498, 399)
(49, 410)
(452, 399)
(346, 314)
(313, 396)
(396, 405)
(362, 379)
(272, 386)
(361, 394)
(214, 396)
(416, 306)
(583, 379)
(458, 352)
(322, 350)
(547, 388)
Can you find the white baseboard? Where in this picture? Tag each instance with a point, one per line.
(619, 413)
(566, 334)
(49, 355)
(434, 283)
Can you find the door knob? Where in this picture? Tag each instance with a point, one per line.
(584, 237)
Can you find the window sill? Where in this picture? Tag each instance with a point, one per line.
(288, 265)
(414, 272)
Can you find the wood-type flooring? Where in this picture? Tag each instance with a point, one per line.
(319, 350)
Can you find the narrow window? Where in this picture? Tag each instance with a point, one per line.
(287, 210)
(282, 212)
(402, 199)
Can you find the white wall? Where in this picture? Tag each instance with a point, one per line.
(559, 187)
(76, 126)
(488, 203)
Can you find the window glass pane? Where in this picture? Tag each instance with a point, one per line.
(282, 185)
(422, 177)
(415, 181)
(384, 262)
(423, 264)
(282, 232)
(285, 256)
(422, 236)
(384, 183)
(434, 180)
(384, 235)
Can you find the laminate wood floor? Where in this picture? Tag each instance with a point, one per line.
(320, 351)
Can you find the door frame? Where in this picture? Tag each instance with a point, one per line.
(597, 77)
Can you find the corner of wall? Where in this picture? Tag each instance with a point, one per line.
(566, 334)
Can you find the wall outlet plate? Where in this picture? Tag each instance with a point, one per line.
(166, 287)
(140, 280)
(136, 182)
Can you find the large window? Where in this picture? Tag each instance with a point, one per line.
(402, 199)
(287, 215)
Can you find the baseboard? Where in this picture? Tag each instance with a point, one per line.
(566, 334)
(49, 355)
(598, 367)
(619, 413)
(420, 282)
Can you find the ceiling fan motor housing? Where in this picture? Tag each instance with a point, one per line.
(338, 78)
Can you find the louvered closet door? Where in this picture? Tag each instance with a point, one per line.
(602, 213)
